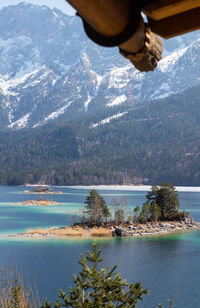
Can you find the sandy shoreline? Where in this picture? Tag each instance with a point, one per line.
(65, 232)
(131, 230)
(38, 202)
(43, 192)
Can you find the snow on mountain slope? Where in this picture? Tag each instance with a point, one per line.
(49, 69)
(53, 115)
(117, 101)
(174, 74)
(109, 119)
(21, 123)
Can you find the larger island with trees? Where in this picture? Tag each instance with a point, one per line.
(160, 214)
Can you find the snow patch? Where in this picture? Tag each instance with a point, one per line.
(6, 84)
(118, 78)
(99, 79)
(44, 74)
(109, 119)
(86, 60)
(165, 95)
(21, 123)
(164, 86)
(53, 115)
(30, 66)
(4, 88)
(163, 91)
(87, 103)
(61, 23)
(117, 101)
(55, 15)
(19, 41)
(167, 64)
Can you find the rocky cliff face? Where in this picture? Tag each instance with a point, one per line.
(51, 71)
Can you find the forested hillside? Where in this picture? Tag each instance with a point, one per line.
(154, 141)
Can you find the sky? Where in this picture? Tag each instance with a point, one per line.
(60, 4)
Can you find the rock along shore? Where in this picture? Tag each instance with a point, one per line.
(126, 230)
(157, 228)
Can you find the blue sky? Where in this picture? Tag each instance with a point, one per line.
(60, 4)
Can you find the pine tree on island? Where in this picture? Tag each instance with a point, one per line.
(166, 197)
(162, 204)
(96, 209)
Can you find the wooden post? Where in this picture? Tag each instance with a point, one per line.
(110, 18)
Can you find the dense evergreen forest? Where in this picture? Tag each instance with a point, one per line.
(154, 142)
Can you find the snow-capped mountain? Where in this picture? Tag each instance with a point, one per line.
(50, 70)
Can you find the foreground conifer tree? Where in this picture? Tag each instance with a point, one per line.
(96, 289)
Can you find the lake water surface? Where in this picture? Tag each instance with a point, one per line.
(167, 265)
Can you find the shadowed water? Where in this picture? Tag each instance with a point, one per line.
(167, 265)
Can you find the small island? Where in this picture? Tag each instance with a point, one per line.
(39, 202)
(42, 190)
(159, 215)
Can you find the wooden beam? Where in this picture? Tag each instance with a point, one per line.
(176, 25)
(106, 17)
(166, 8)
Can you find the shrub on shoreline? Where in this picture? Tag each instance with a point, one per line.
(14, 293)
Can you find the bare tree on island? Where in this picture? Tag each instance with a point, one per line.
(119, 206)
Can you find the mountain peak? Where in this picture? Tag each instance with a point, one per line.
(50, 70)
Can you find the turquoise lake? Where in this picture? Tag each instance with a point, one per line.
(167, 265)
